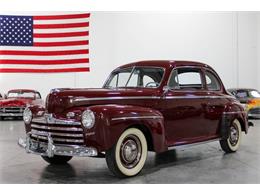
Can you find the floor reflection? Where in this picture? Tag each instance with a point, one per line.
(199, 164)
(165, 158)
(57, 173)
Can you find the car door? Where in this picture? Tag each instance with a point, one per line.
(184, 106)
(216, 101)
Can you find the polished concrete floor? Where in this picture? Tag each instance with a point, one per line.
(198, 164)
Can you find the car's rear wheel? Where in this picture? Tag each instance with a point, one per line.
(57, 160)
(231, 144)
(127, 157)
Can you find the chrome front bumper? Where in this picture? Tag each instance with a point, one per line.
(253, 115)
(11, 114)
(50, 149)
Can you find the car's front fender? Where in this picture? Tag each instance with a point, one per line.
(112, 120)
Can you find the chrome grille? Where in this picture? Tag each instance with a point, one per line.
(60, 133)
(12, 109)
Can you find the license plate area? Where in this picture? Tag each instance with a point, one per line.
(38, 146)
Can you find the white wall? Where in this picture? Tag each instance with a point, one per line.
(247, 49)
(225, 40)
(258, 51)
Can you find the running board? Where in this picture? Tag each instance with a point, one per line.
(193, 144)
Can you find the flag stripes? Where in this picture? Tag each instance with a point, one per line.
(57, 46)
(55, 17)
(44, 53)
(55, 35)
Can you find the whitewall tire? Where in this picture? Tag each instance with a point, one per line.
(127, 157)
(231, 144)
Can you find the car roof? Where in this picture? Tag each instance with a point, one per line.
(165, 63)
(22, 90)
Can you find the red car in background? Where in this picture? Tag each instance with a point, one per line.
(16, 101)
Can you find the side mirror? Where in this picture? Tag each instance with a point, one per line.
(5, 96)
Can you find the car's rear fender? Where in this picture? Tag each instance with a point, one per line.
(232, 112)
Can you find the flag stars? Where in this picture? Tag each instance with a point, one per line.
(16, 30)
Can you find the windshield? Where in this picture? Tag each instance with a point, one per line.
(246, 94)
(241, 94)
(145, 77)
(21, 95)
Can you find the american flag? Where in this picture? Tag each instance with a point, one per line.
(45, 43)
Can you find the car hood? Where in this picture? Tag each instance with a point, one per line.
(62, 99)
(15, 102)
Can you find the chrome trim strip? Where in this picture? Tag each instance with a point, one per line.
(235, 112)
(196, 97)
(137, 117)
(193, 144)
(42, 120)
(51, 149)
(16, 108)
(57, 128)
(45, 133)
(254, 115)
(80, 99)
(58, 139)
(11, 114)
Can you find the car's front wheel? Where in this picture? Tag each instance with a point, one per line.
(57, 160)
(231, 144)
(127, 157)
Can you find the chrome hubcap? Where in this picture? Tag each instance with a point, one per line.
(130, 151)
(234, 135)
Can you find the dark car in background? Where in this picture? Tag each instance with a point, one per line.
(250, 98)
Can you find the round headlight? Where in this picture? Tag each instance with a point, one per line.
(88, 119)
(27, 115)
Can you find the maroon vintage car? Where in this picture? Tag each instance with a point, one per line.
(143, 106)
(16, 101)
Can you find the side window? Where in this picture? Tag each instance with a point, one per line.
(186, 78)
(134, 79)
(148, 81)
(173, 82)
(212, 82)
(123, 78)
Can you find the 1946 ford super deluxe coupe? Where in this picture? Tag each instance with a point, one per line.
(143, 106)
